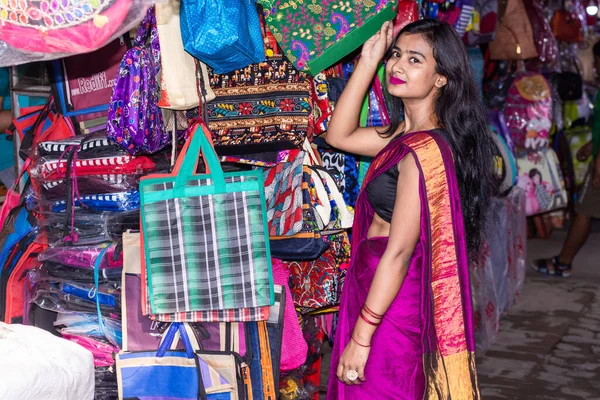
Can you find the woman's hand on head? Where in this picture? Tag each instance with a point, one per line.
(375, 48)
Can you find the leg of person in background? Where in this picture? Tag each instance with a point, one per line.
(587, 207)
(578, 234)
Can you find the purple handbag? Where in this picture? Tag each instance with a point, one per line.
(134, 119)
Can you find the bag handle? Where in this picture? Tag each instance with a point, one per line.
(147, 29)
(187, 162)
(169, 338)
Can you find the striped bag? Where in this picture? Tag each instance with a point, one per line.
(205, 240)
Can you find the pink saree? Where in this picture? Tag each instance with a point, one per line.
(424, 347)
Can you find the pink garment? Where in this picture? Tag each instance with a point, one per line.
(293, 347)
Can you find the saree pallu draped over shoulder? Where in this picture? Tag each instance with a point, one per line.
(424, 347)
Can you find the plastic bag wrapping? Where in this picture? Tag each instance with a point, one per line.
(49, 169)
(51, 297)
(53, 272)
(84, 256)
(485, 298)
(87, 325)
(115, 202)
(496, 90)
(102, 351)
(517, 243)
(57, 31)
(89, 185)
(37, 365)
(528, 110)
(545, 42)
(106, 384)
(87, 227)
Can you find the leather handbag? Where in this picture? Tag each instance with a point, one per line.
(567, 26)
(514, 35)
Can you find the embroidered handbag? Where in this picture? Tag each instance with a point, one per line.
(225, 34)
(205, 239)
(134, 119)
(318, 283)
(263, 107)
(315, 35)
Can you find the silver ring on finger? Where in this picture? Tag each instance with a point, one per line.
(352, 375)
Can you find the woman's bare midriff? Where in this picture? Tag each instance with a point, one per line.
(378, 228)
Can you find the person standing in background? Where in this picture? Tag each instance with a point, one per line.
(588, 200)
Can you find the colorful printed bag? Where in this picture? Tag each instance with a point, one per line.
(541, 179)
(528, 111)
(283, 192)
(263, 107)
(318, 283)
(134, 119)
(205, 239)
(317, 34)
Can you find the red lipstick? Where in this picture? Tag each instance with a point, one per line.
(396, 81)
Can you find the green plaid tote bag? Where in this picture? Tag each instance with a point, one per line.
(205, 239)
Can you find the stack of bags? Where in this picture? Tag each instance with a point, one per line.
(85, 194)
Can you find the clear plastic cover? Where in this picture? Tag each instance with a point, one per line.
(517, 244)
(102, 351)
(41, 33)
(50, 297)
(82, 324)
(84, 256)
(53, 272)
(87, 227)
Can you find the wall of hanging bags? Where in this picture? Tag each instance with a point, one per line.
(130, 237)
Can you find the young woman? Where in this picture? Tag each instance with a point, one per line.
(405, 328)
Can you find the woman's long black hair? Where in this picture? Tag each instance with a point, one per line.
(460, 112)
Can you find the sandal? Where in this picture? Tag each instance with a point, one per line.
(542, 266)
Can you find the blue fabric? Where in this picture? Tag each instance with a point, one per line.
(224, 34)
(255, 366)
(21, 228)
(5, 88)
(7, 157)
(160, 379)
